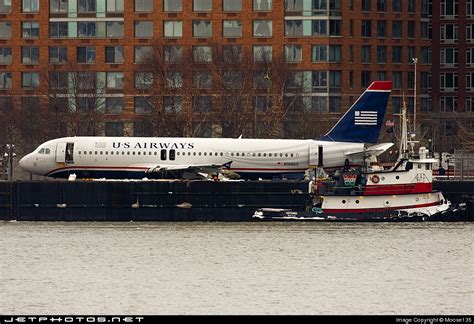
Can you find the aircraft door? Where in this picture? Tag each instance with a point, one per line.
(65, 153)
(313, 155)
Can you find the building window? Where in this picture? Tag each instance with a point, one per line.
(30, 55)
(397, 29)
(262, 53)
(396, 105)
(173, 28)
(319, 53)
(143, 80)
(262, 28)
(202, 54)
(396, 54)
(470, 81)
(202, 80)
(232, 28)
(449, 8)
(85, 6)
(381, 75)
(232, 54)
(425, 105)
(86, 29)
(115, 80)
(366, 28)
(365, 56)
(30, 80)
(115, 5)
(5, 6)
(58, 29)
(449, 104)
(425, 30)
(114, 129)
(5, 80)
(470, 33)
(381, 5)
(57, 6)
(262, 103)
(173, 5)
(470, 104)
(381, 54)
(232, 5)
(114, 105)
(114, 54)
(449, 81)
(470, 56)
(172, 104)
(426, 57)
(86, 54)
(365, 5)
(202, 28)
(143, 29)
(449, 33)
(144, 5)
(143, 54)
(5, 55)
(262, 80)
(202, 104)
(397, 80)
(411, 29)
(30, 6)
(381, 29)
(262, 5)
(396, 5)
(30, 29)
(293, 53)
(365, 78)
(411, 5)
(173, 80)
(449, 57)
(5, 30)
(172, 54)
(58, 55)
(115, 29)
(58, 80)
(144, 105)
(202, 5)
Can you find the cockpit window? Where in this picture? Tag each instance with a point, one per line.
(41, 151)
(47, 151)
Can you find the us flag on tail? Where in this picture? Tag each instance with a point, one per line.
(366, 118)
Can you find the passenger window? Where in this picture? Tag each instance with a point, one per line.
(139, 153)
(172, 155)
(90, 152)
(163, 155)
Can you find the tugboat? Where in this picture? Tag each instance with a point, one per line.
(370, 193)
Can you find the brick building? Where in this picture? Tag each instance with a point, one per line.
(333, 48)
(451, 114)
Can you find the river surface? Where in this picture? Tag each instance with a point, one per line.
(236, 268)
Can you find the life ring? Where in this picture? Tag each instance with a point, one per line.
(375, 179)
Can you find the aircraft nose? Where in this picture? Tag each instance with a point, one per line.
(23, 163)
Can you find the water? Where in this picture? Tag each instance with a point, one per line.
(236, 268)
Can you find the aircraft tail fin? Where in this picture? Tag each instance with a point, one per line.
(364, 119)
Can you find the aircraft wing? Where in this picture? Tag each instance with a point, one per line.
(374, 150)
(193, 168)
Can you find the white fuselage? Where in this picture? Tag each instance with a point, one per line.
(121, 156)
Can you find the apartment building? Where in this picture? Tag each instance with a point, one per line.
(451, 113)
(332, 49)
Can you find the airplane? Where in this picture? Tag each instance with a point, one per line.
(147, 157)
